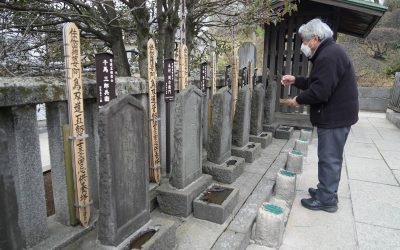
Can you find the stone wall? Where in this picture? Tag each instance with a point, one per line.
(373, 98)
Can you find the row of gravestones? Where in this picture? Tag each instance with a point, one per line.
(124, 164)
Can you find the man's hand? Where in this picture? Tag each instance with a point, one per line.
(293, 102)
(288, 80)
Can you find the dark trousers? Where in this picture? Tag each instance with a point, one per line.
(330, 157)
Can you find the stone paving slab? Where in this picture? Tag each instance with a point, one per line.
(374, 237)
(351, 138)
(386, 145)
(367, 133)
(369, 170)
(376, 204)
(392, 158)
(381, 123)
(390, 134)
(362, 150)
(308, 229)
(397, 174)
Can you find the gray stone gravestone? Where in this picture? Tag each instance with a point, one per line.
(241, 128)
(269, 109)
(186, 180)
(10, 233)
(256, 121)
(124, 171)
(220, 164)
(247, 52)
(20, 125)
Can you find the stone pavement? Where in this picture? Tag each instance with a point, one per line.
(369, 194)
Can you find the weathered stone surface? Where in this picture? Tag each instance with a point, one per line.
(284, 132)
(241, 121)
(217, 213)
(179, 202)
(250, 152)
(10, 233)
(57, 116)
(124, 169)
(271, 127)
(223, 172)
(163, 239)
(393, 117)
(302, 145)
(247, 52)
(230, 240)
(20, 125)
(220, 133)
(295, 162)
(187, 162)
(264, 139)
(257, 112)
(270, 102)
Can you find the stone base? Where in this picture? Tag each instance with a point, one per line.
(225, 173)
(284, 132)
(250, 152)
(178, 202)
(214, 212)
(163, 239)
(264, 139)
(270, 127)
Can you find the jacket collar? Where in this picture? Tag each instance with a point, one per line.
(322, 45)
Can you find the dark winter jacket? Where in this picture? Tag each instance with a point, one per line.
(331, 88)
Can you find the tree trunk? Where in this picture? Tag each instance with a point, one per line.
(120, 57)
(117, 41)
(141, 16)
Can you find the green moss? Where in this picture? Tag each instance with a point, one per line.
(287, 173)
(305, 139)
(24, 91)
(273, 209)
(297, 152)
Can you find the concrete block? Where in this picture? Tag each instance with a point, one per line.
(265, 139)
(285, 188)
(249, 152)
(270, 127)
(307, 133)
(295, 162)
(217, 213)
(178, 202)
(270, 226)
(226, 172)
(163, 239)
(302, 145)
(284, 132)
(231, 240)
(393, 117)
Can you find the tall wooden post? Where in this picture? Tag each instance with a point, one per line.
(235, 79)
(73, 71)
(155, 162)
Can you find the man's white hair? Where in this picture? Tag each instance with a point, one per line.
(315, 27)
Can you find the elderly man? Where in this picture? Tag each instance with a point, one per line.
(331, 92)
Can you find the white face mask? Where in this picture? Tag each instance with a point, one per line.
(306, 50)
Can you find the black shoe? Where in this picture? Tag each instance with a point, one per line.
(313, 193)
(314, 204)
